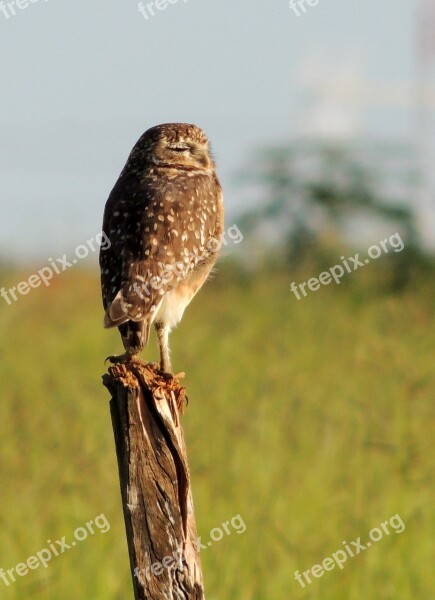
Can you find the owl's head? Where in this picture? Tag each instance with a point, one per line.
(174, 145)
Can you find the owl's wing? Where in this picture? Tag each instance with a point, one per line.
(162, 237)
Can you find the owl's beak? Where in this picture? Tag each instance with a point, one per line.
(202, 156)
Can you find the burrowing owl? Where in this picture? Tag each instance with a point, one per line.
(164, 219)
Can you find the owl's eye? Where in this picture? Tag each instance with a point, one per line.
(180, 148)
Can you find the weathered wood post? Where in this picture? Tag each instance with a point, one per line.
(155, 483)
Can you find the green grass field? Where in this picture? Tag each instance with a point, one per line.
(311, 420)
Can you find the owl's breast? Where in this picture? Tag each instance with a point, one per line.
(176, 300)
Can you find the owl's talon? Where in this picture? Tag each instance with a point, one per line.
(166, 375)
(124, 358)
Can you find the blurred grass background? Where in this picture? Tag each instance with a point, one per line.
(310, 419)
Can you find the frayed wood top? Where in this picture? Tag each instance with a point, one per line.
(133, 374)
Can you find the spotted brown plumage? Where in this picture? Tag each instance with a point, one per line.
(164, 219)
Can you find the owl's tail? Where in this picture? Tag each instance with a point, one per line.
(121, 310)
(117, 312)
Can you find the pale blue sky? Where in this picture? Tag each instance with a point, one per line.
(82, 80)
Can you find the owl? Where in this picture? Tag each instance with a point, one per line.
(164, 220)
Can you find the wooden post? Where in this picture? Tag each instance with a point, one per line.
(155, 483)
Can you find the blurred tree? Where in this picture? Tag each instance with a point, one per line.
(312, 193)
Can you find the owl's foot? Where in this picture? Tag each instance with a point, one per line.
(164, 373)
(168, 376)
(125, 358)
(165, 369)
